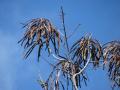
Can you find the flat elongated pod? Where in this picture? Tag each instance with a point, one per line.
(84, 48)
(111, 54)
(40, 32)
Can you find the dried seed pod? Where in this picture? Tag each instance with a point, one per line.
(40, 32)
(111, 54)
(84, 48)
(65, 69)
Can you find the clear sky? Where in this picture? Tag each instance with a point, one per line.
(99, 17)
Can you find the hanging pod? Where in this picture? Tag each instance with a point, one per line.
(40, 32)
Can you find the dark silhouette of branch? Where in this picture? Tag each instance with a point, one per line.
(64, 28)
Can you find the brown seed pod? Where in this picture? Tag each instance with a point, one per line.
(84, 48)
(40, 32)
(111, 54)
(62, 75)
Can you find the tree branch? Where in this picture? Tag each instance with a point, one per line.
(73, 77)
(64, 29)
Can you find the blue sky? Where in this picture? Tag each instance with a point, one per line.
(99, 17)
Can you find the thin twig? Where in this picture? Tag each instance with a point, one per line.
(56, 57)
(76, 28)
(73, 77)
(60, 33)
(64, 28)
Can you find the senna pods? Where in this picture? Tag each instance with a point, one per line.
(40, 32)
